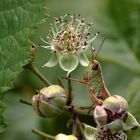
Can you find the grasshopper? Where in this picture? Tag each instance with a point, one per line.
(94, 81)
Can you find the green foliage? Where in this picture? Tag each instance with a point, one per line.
(18, 21)
(133, 100)
(3, 123)
(119, 22)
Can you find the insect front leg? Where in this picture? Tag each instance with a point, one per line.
(76, 80)
(93, 96)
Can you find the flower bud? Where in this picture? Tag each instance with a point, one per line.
(115, 104)
(100, 115)
(50, 101)
(65, 137)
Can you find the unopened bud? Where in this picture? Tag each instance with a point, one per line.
(50, 101)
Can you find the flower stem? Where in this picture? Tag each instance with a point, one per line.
(25, 102)
(70, 96)
(36, 71)
(43, 134)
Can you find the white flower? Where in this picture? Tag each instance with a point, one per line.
(68, 39)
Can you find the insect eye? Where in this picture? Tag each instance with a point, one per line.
(95, 66)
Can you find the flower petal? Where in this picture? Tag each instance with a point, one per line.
(52, 62)
(68, 62)
(83, 59)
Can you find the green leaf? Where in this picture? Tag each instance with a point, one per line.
(3, 123)
(133, 101)
(118, 21)
(19, 19)
(133, 97)
(19, 127)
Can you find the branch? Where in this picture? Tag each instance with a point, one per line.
(25, 102)
(36, 71)
(70, 96)
(43, 134)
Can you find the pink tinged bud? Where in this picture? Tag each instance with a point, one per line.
(115, 104)
(100, 116)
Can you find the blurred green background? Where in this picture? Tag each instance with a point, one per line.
(119, 22)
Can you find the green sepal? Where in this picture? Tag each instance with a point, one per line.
(83, 59)
(115, 125)
(89, 132)
(130, 122)
(53, 61)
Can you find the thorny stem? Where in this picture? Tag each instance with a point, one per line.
(69, 100)
(36, 71)
(43, 134)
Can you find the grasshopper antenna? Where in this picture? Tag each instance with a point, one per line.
(99, 49)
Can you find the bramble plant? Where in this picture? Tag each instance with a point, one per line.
(68, 40)
(79, 99)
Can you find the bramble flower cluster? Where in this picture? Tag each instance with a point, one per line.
(68, 40)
